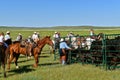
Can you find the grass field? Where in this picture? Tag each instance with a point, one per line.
(49, 69)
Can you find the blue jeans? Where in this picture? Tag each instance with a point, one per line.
(6, 45)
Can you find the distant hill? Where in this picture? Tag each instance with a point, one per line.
(56, 28)
(86, 27)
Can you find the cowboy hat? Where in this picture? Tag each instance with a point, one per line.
(35, 32)
(61, 40)
(8, 32)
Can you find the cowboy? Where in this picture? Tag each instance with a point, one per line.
(56, 35)
(62, 51)
(30, 40)
(2, 40)
(56, 40)
(70, 34)
(19, 37)
(35, 37)
(1, 37)
(7, 36)
(91, 32)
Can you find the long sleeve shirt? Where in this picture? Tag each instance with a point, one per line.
(1, 39)
(7, 37)
(64, 45)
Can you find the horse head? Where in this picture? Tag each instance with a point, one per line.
(48, 41)
(100, 36)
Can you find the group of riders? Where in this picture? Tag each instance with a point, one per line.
(59, 43)
(5, 37)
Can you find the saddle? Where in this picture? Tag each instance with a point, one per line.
(35, 45)
(22, 44)
(1, 43)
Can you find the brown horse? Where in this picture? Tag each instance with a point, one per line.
(3, 57)
(40, 44)
(16, 49)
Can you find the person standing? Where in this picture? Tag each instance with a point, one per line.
(56, 40)
(70, 35)
(56, 35)
(62, 51)
(91, 32)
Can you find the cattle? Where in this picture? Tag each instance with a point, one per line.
(106, 51)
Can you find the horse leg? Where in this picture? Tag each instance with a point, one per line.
(36, 60)
(3, 65)
(10, 60)
(16, 58)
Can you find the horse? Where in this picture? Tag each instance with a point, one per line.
(17, 48)
(3, 57)
(40, 44)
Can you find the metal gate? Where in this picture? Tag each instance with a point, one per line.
(104, 52)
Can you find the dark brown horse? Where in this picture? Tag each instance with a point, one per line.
(16, 49)
(3, 57)
(40, 44)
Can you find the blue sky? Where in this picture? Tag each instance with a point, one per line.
(48, 13)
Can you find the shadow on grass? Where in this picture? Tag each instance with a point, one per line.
(49, 64)
(44, 56)
(24, 69)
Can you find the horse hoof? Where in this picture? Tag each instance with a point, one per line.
(17, 67)
(35, 65)
(28, 58)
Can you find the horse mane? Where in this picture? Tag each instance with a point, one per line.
(43, 39)
(14, 42)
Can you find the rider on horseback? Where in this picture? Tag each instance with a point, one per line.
(2, 40)
(7, 36)
(19, 37)
(35, 37)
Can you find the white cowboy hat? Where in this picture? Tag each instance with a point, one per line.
(35, 32)
(29, 36)
(20, 34)
(55, 32)
(8, 32)
(61, 40)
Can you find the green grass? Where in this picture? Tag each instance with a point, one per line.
(49, 69)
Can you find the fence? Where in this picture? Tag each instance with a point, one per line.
(104, 52)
